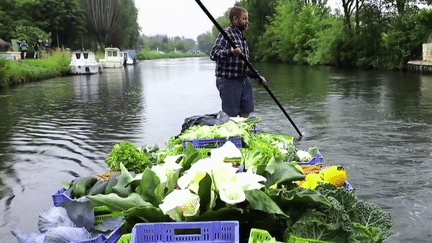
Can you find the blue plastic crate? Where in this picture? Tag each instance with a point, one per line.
(112, 237)
(317, 159)
(254, 129)
(348, 186)
(212, 142)
(98, 239)
(60, 197)
(190, 232)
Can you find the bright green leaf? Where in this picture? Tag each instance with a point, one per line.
(259, 200)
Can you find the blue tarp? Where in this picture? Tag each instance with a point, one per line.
(131, 54)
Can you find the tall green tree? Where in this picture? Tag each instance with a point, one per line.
(64, 19)
(17, 22)
(405, 36)
(223, 21)
(368, 35)
(351, 8)
(260, 13)
(190, 45)
(277, 43)
(205, 42)
(325, 43)
(301, 32)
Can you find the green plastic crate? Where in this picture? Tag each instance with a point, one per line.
(126, 238)
(296, 239)
(206, 152)
(103, 212)
(260, 236)
(100, 218)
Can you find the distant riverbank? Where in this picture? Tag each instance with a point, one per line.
(151, 55)
(57, 64)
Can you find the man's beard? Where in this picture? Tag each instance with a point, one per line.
(241, 27)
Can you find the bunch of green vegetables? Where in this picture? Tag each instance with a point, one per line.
(139, 198)
(132, 157)
(275, 203)
(264, 147)
(344, 219)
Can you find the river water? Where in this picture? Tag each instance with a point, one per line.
(376, 124)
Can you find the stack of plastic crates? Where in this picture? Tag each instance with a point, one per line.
(186, 232)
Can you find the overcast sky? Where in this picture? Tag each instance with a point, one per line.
(182, 18)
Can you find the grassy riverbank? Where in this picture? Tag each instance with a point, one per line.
(23, 71)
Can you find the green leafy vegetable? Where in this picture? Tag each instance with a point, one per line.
(131, 156)
(279, 172)
(286, 198)
(256, 160)
(345, 219)
(118, 204)
(192, 155)
(149, 187)
(263, 147)
(316, 225)
(367, 234)
(259, 200)
(313, 151)
(146, 213)
(204, 193)
(122, 187)
(377, 223)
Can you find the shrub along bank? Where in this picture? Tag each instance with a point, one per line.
(23, 71)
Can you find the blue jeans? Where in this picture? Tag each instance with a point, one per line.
(236, 95)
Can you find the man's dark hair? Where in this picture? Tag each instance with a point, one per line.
(236, 12)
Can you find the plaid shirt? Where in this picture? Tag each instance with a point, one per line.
(227, 64)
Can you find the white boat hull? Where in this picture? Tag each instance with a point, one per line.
(84, 63)
(111, 64)
(85, 69)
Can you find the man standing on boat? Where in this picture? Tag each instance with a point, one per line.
(232, 74)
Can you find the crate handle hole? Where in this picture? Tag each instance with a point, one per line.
(192, 231)
(211, 145)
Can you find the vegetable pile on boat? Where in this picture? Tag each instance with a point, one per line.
(269, 190)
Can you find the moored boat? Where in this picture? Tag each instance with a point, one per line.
(130, 56)
(84, 62)
(114, 58)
